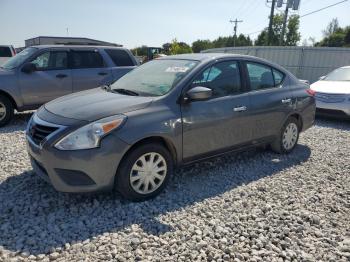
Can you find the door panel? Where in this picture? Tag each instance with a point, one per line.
(221, 122)
(271, 100)
(51, 80)
(213, 125)
(88, 70)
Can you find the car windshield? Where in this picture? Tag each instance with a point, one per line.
(155, 78)
(19, 58)
(340, 74)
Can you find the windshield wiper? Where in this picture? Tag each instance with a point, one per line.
(125, 91)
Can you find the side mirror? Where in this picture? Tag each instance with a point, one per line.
(199, 93)
(29, 68)
(322, 77)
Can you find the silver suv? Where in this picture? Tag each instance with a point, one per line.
(40, 74)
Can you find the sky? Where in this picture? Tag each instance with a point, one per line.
(134, 23)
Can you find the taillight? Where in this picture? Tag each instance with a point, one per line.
(311, 92)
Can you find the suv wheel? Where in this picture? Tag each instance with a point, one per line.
(144, 172)
(6, 110)
(288, 137)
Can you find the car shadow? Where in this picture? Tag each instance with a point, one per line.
(37, 219)
(18, 123)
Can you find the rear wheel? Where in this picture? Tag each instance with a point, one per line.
(144, 172)
(288, 137)
(6, 110)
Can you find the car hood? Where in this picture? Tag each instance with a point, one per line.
(95, 104)
(331, 87)
(4, 72)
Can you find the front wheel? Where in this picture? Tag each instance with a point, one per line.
(6, 110)
(144, 172)
(288, 137)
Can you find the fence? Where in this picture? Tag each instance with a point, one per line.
(307, 63)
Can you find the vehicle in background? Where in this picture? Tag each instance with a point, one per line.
(170, 111)
(333, 93)
(40, 74)
(6, 52)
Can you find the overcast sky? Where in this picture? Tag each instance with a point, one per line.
(150, 22)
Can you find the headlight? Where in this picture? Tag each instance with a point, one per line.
(89, 136)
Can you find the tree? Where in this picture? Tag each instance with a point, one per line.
(140, 51)
(335, 36)
(200, 45)
(291, 38)
(179, 48)
(331, 28)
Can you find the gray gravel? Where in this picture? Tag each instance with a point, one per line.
(253, 206)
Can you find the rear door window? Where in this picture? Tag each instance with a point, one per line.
(260, 76)
(5, 51)
(87, 59)
(278, 76)
(120, 57)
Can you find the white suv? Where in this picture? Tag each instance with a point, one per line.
(6, 52)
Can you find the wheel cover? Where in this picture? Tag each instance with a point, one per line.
(2, 111)
(148, 173)
(290, 136)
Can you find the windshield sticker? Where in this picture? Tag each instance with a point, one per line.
(177, 69)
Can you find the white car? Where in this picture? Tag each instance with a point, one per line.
(332, 93)
(6, 52)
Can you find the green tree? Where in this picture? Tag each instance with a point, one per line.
(200, 45)
(179, 48)
(291, 38)
(140, 51)
(331, 28)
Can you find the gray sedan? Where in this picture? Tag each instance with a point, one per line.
(172, 111)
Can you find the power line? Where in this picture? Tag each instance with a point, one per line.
(326, 7)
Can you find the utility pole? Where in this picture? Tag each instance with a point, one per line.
(272, 13)
(235, 29)
(285, 19)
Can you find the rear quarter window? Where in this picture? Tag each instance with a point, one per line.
(120, 57)
(5, 51)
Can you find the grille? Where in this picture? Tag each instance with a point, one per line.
(330, 98)
(39, 132)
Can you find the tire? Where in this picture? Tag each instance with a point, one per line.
(136, 185)
(6, 110)
(286, 142)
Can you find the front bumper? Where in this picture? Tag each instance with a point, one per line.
(78, 171)
(335, 109)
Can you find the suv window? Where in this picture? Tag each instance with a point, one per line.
(87, 59)
(120, 57)
(223, 78)
(51, 60)
(5, 51)
(260, 76)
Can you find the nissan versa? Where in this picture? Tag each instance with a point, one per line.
(130, 135)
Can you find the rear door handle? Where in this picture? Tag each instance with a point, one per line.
(61, 76)
(286, 101)
(240, 109)
(102, 73)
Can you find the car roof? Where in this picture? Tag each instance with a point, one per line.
(77, 46)
(347, 67)
(205, 57)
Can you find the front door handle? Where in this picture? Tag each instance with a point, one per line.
(286, 101)
(61, 76)
(240, 109)
(102, 73)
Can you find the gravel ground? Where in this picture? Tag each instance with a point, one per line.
(253, 206)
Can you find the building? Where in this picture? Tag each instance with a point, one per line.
(53, 40)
